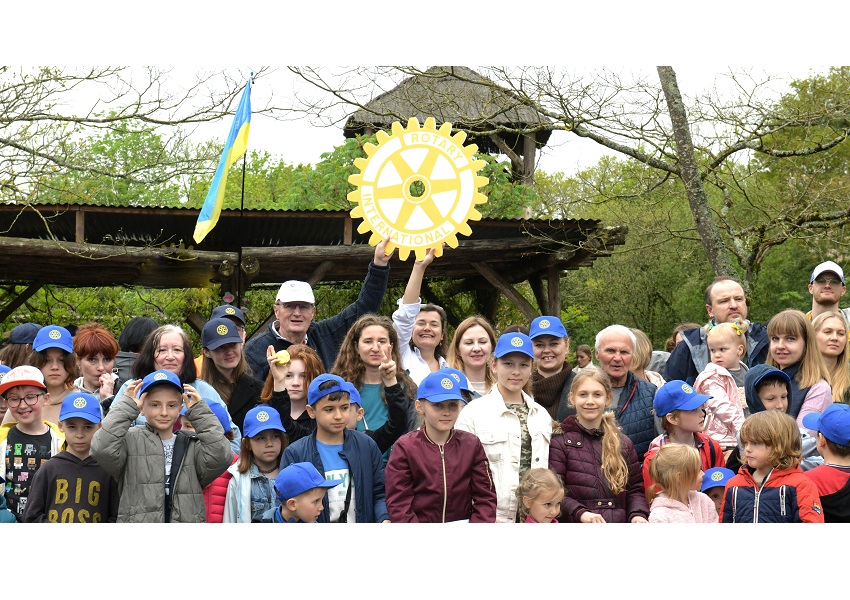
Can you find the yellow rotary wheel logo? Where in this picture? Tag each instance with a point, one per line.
(54, 334)
(419, 186)
(79, 402)
(221, 330)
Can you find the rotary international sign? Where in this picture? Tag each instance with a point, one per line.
(419, 185)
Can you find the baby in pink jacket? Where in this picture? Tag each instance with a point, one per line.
(724, 411)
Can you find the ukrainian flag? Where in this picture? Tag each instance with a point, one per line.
(234, 148)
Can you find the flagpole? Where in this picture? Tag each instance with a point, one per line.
(241, 234)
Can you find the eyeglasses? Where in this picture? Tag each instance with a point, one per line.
(29, 400)
(293, 306)
(829, 280)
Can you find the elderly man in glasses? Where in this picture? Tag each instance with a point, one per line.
(295, 307)
(826, 285)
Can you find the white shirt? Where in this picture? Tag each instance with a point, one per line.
(411, 359)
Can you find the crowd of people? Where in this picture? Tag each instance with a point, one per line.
(366, 418)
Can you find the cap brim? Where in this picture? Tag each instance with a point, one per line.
(443, 397)
(80, 415)
(218, 342)
(144, 389)
(695, 402)
(7, 386)
(812, 421)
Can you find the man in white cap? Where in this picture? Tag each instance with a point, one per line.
(826, 285)
(295, 307)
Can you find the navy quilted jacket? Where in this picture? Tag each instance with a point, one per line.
(636, 414)
(576, 456)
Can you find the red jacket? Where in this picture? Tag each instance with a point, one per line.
(429, 483)
(215, 494)
(786, 496)
(710, 453)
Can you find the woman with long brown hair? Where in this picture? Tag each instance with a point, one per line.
(471, 352)
(367, 347)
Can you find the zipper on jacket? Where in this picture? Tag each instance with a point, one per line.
(782, 500)
(445, 483)
(734, 503)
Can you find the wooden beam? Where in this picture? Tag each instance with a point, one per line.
(196, 321)
(553, 278)
(536, 283)
(320, 273)
(524, 306)
(7, 311)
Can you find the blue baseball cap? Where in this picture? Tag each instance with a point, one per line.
(53, 336)
(160, 377)
(228, 311)
(218, 332)
(716, 477)
(3, 370)
(297, 478)
(439, 387)
(353, 393)
(547, 325)
(458, 376)
(82, 405)
(833, 423)
(314, 394)
(261, 418)
(513, 342)
(219, 410)
(24, 333)
(677, 395)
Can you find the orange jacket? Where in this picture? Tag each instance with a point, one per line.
(786, 496)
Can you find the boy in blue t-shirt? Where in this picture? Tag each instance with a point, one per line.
(349, 456)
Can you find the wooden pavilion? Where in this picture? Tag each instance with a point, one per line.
(90, 246)
(471, 103)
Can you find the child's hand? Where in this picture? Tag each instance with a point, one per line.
(132, 391)
(277, 370)
(589, 517)
(107, 385)
(388, 370)
(639, 519)
(190, 396)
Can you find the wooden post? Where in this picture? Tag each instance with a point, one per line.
(497, 281)
(553, 278)
(529, 152)
(536, 283)
(196, 321)
(80, 227)
(346, 232)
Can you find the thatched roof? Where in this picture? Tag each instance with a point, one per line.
(459, 95)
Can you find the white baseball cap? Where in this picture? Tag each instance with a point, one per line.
(295, 291)
(826, 267)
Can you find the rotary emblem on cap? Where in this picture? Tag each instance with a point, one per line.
(717, 476)
(446, 383)
(160, 376)
(54, 334)
(79, 402)
(687, 389)
(229, 311)
(455, 377)
(221, 330)
(262, 416)
(516, 342)
(543, 324)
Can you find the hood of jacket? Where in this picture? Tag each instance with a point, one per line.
(756, 374)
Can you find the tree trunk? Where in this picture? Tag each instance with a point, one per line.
(718, 254)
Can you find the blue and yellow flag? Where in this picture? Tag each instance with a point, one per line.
(234, 148)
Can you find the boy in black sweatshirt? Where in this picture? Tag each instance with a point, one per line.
(71, 487)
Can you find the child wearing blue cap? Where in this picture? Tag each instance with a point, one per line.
(438, 474)
(161, 473)
(215, 493)
(682, 413)
(53, 354)
(72, 487)
(341, 454)
(508, 414)
(250, 492)
(833, 477)
(300, 490)
(714, 484)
